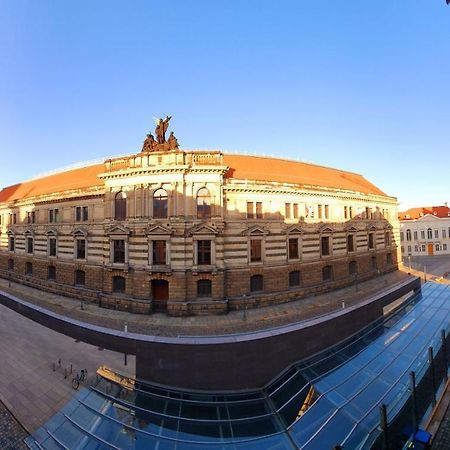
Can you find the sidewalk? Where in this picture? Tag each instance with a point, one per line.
(160, 324)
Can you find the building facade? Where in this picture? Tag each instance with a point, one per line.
(196, 232)
(425, 231)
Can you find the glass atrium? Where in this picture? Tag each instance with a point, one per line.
(332, 398)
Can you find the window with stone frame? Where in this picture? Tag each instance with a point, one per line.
(325, 245)
(389, 259)
(159, 252)
(408, 235)
(371, 241)
(53, 215)
(10, 264)
(429, 233)
(387, 238)
(287, 210)
(118, 247)
(204, 288)
(295, 210)
(255, 250)
(327, 211)
(319, 212)
(51, 246)
(422, 234)
(118, 284)
(350, 243)
(31, 217)
(203, 204)
(203, 252)
(160, 204)
(327, 273)
(436, 234)
(51, 273)
(28, 268)
(373, 263)
(415, 235)
(82, 213)
(294, 278)
(80, 248)
(256, 283)
(11, 243)
(250, 214)
(120, 206)
(259, 210)
(293, 248)
(80, 277)
(352, 268)
(29, 245)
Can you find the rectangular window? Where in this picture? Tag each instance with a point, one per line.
(402, 236)
(29, 245)
(14, 218)
(350, 212)
(287, 210)
(81, 213)
(11, 243)
(51, 273)
(327, 211)
(31, 217)
(444, 233)
(204, 288)
(387, 239)
(422, 234)
(159, 252)
(423, 247)
(250, 210)
(436, 234)
(52, 247)
(256, 283)
(319, 211)
(255, 250)
(259, 210)
(81, 248)
(415, 235)
(50, 215)
(371, 241)
(53, 215)
(294, 278)
(444, 247)
(345, 212)
(293, 248)
(416, 248)
(295, 212)
(350, 243)
(325, 245)
(203, 252)
(119, 251)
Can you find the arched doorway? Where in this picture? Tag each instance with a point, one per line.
(160, 295)
(430, 249)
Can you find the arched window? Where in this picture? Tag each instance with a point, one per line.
(204, 288)
(80, 277)
(256, 283)
(327, 273)
(118, 284)
(160, 204)
(353, 268)
(408, 235)
(430, 233)
(120, 206)
(203, 204)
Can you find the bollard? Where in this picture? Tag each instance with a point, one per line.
(343, 305)
(384, 427)
(54, 367)
(59, 363)
(71, 368)
(65, 372)
(125, 362)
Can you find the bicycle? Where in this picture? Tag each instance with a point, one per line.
(79, 378)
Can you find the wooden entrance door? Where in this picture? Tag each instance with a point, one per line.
(430, 249)
(160, 295)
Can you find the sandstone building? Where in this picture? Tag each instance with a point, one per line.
(195, 232)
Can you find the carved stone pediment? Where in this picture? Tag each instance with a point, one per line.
(294, 229)
(371, 227)
(79, 231)
(255, 230)
(118, 230)
(51, 232)
(10, 233)
(351, 229)
(158, 230)
(28, 232)
(202, 229)
(325, 229)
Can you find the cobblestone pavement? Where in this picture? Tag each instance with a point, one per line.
(29, 387)
(12, 433)
(442, 439)
(159, 324)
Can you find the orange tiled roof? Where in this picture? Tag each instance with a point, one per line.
(242, 167)
(417, 213)
(80, 178)
(279, 170)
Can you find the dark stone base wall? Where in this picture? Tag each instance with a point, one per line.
(230, 288)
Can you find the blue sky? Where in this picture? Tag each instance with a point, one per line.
(354, 84)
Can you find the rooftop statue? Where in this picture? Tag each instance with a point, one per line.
(173, 142)
(161, 128)
(149, 143)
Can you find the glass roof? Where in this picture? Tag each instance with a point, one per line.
(318, 403)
